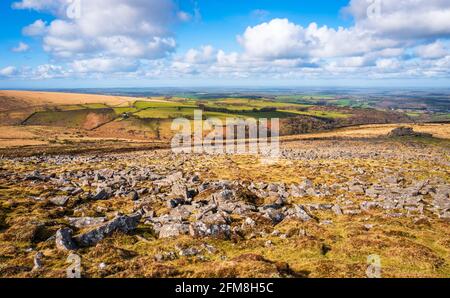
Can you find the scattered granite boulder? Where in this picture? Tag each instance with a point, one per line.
(102, 194)
(275, 215)
(218, 231)
(180, 189)
(407, 132)
(64, 240)
(133, 195)
(36, 176)
(357, 189)
(124, 224)
(337, 210)
(300, 212)
(174, 203)
(173, 230)
(188, 252)
(59, 201)
(83, 222)
(37, 261)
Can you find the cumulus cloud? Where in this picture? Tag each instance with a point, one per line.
(46, 71)
(394, 37)
(205, 54)
(282, 39)
(54, 6)
(409, 38)
(277, 39)
(434, 50)
(20, 48)
(134, 28)
(402, 19)
(8, 71)
(104, 65)
(38, 28)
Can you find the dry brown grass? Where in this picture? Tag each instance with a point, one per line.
(406, 249)
(377, 130)
(34, 98)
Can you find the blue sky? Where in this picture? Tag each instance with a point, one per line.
(235, 42)
(231, 18)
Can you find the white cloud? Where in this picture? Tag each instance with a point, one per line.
(205, 54)
(38, 28)
(388, 63)
(132, 38)
(277, 39)
(21, 47)
(104, 65)
(132, 28)
(405, 18)
(8, 71)
(281, 39)
(184, 16)
(46, 71)
(432, 51)
(54, 6)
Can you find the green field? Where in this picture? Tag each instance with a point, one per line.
(181, 108)
(120, 111)
(68, 118)
(321, 114)
(165, 113)
(441, 117)
(160, 104)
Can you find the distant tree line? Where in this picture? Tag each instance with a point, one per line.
(206, 108)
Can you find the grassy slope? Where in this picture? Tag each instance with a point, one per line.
(406, 249)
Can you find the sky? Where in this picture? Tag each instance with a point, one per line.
(180, 43)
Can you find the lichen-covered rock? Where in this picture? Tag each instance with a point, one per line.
(59, 201)
(102, 194)
(124, 224)
(180, 190)
(37, 261)
(300, 212)
(337, 210)
(218, 231)
(173, 230)
(83, 222)
(407, 131)
(133, 195)
(64, 239)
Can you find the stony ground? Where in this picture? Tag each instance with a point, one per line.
(319, 211)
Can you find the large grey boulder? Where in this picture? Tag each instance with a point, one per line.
(37, 261)
(124, 224)
(36, 176)
(102, 194)
(173, 230)
(179, 189)
(218, 231)
(407, 131)
(59, 201)
(64, 239)
(83, 222)
(300, 212)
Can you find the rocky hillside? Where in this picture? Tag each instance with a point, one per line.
(319, 211)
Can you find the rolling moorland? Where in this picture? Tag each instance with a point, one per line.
(36, 118)
(93, 175)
